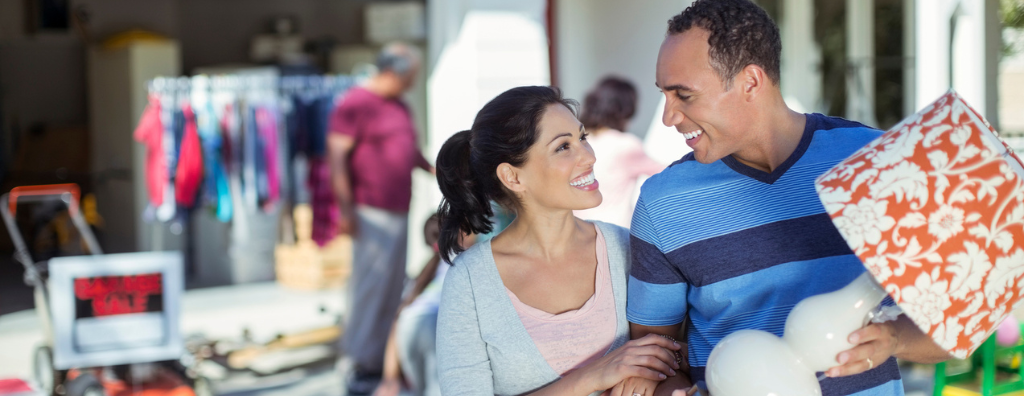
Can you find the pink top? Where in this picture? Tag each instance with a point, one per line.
(573, 339)
(621, 160)
(385, 152)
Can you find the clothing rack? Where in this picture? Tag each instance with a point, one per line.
(257, 132)
(284, 84)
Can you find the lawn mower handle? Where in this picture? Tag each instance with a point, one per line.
(67, 193)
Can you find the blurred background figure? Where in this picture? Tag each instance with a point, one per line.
(372, 152)
(409, 360)
(621, 159)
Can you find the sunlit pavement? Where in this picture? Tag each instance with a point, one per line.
(262, 310)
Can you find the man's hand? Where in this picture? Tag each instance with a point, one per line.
(347, 223)
(339, 146)
(875, 343)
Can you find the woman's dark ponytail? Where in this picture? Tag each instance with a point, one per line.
(465, 207)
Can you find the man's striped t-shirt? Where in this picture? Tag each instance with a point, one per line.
(726, 247)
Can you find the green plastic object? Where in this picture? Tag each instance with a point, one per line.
(987, 359)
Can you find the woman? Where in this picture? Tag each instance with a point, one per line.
(606, 111)
(540, 308)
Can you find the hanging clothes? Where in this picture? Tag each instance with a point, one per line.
(149, 132)
(189, 175)
(266, 125)
(299, 119)
(216, 188)
(218, 142)
(167, 208)
(321, 115)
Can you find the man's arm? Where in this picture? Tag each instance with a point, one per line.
(422, 163)
(656, 295)
(339, 147)
(638, 331)
(915, 345)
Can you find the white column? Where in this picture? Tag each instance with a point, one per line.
(993, 42)
(968, 52)
(975, 51)
(801, 57)
(965, 57)
(909, 60)
(932, 49)
(932, 54)
(860, 54)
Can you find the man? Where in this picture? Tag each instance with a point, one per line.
(372, 151)
(733, 235)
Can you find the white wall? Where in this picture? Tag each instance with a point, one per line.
(1011, 96)
(600, 37)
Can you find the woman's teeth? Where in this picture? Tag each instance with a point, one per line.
(692, 134)
(587, 180)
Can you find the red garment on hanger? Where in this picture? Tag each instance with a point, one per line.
(189, 175)
(150, 132)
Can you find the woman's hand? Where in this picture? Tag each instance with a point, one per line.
(651, 357)
(875, 344)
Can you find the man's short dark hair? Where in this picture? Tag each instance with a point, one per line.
(741, 34)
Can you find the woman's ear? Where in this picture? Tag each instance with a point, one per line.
(509, 177)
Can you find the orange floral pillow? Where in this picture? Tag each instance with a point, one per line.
(935, 210)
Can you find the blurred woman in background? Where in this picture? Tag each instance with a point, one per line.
(622, 161)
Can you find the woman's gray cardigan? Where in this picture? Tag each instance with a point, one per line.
(482, 346)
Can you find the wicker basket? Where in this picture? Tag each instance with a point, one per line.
(307, 266)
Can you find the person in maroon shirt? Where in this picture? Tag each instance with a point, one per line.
(372, 152)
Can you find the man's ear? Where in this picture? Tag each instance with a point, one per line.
(752, 80)
(509, 176)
